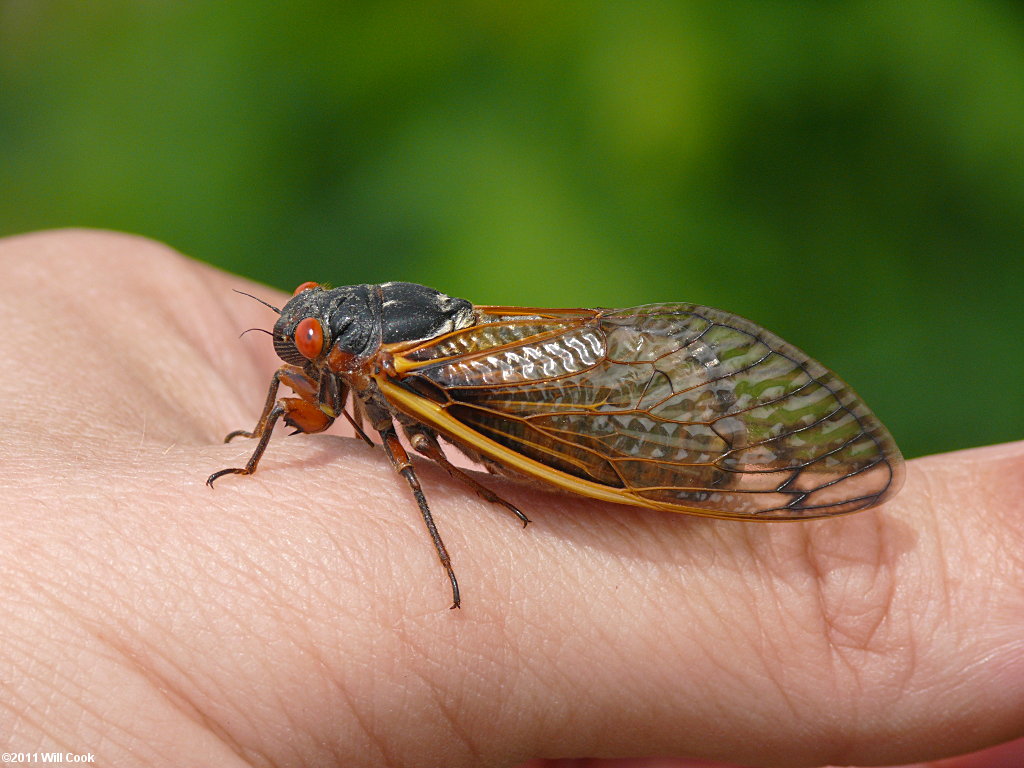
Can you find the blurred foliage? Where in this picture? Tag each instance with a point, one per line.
(850, 175)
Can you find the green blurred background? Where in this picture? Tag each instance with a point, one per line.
(850, 175)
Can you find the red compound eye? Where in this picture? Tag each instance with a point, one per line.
(309, 338)
(305, 287)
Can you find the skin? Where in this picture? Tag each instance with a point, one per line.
(300, 616)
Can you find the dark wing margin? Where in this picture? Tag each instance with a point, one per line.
(673, 406)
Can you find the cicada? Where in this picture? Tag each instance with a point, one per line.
(675, 407)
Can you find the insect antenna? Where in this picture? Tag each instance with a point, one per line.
(261, 330)
(261, 301)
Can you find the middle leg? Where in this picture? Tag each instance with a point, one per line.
(400, 461)
(427, 444)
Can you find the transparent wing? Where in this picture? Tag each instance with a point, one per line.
(675, 406)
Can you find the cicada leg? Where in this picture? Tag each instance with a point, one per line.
(427, 444)
(400, 461)
(292, 377)
(303, 413)
(331, 399)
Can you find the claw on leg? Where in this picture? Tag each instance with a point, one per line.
(301, 412)
(267, 426)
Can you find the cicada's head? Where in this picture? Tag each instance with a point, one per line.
(317, 319)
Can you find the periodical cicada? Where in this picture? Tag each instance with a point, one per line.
(675, 407)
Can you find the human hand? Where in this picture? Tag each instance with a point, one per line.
(299, 616)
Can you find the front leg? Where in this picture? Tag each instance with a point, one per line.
(303, 413)
(292, 377)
